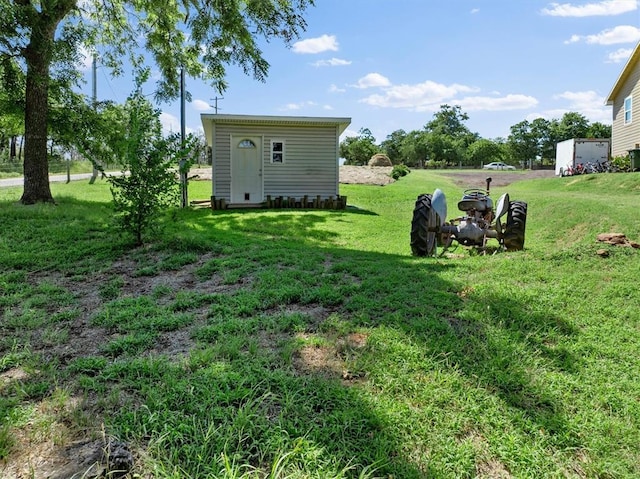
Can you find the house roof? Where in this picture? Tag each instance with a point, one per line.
(624, 75)
(341, 123)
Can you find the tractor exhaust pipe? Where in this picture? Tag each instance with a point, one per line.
(488, 184)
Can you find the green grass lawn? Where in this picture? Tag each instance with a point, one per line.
(311, 344)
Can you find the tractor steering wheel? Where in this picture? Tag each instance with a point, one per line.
(475, 192)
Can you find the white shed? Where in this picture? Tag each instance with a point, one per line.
(255, 158)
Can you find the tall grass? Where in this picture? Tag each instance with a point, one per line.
(311, 344)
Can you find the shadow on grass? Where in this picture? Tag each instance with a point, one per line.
(241, 393)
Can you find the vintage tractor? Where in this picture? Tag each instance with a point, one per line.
(479, 222)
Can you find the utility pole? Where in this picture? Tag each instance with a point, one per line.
(215, 104)
(184, 200)
(94, 69)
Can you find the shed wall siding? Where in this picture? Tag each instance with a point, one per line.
(310, 166)
(625, 137)
(222, 163)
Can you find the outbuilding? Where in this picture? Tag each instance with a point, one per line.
(259, 159)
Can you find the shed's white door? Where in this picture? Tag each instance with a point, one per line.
(246, 170)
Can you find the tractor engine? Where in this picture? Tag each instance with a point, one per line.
(473, 228)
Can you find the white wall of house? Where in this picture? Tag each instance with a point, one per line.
(626, 135)
(304, 162)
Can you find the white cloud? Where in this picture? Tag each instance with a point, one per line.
(349, 133)
(419, 97)
(429, 96)
(619, 34)
(298, 106)
(574, 39)
(335, 89)
(316, 45)
(474, 11)
(507, 102)
(334, 62)
(86, 58)
(602, 8)
(327, 107)
(170, 123)
(372, 80)
(580, 99)
(620, 55)
(200, 105)
(587, 103)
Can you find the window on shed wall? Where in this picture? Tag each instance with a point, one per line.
(277, 151)
(628, 105)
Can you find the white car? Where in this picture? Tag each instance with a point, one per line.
(498, 165)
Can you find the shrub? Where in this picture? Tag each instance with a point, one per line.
(148, 184)
(399, 171)
(621, 162)
(436, 164)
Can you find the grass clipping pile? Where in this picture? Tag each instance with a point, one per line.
(366, 175)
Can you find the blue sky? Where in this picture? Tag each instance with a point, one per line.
(390, 64)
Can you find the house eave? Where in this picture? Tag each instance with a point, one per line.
(341, 123)
(624, 75)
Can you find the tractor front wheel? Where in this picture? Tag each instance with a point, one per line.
(423, 236)
(516, 223)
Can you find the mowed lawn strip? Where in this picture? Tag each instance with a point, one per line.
(311, 344)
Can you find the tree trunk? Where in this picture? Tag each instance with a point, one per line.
(38, 57)
(36, 163)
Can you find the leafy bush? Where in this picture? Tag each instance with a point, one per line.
(436, 164)
(399, 171)
(621, 162)
(148, 184)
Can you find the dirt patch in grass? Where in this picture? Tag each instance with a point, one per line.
(366, 175)
(73, 443)
(477, 178)
(362, 175)
(52, 445)
(330, 358)
(381, 175)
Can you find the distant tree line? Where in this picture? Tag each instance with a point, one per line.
(447, 141)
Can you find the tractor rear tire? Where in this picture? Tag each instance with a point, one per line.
(423, 241)
(516, 224)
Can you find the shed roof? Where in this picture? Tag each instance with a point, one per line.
(341, 123)
(624, 75)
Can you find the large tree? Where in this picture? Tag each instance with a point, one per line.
(201, 36)
(358, 150)
(484, 151)
(392, 146)
(449, 137)
(523, 144)
(572, 125)
(599, 130)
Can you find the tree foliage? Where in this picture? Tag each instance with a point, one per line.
(148, 183)
(357, 150)
(445, 140)
(522, 143)
(536, 141)
(485, 151)
(44, 38)
(392, 146)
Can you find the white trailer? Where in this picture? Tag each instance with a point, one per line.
(570, 153)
